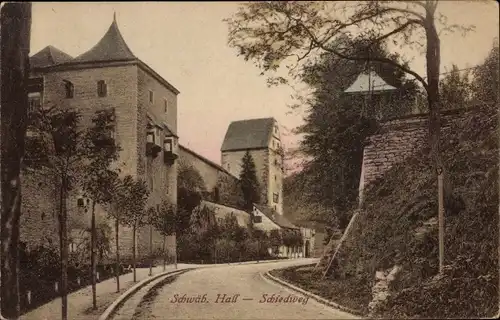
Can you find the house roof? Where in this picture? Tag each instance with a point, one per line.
(278, 219)
(369, 82)
(49, 56)
(111, 47)
(248, 134)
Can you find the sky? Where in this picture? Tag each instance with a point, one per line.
(186, 43)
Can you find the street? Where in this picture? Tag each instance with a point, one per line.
(230, 292)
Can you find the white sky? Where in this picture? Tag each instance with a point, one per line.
(186, 43)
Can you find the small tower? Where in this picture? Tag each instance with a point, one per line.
(373, 88)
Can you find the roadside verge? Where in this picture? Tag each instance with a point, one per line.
(313, 296)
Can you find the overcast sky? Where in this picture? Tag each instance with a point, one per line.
(186, 43)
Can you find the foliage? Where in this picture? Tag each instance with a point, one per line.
(101, 151)
(485, 84)
(136, 194)
(248, 182)
(455, 89)
(395, 207)
(190, 190)
(163, 220)
(292, 238)
(103, 244)
(189, 178)
(230, 193)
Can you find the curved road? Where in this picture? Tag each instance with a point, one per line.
(244, 290)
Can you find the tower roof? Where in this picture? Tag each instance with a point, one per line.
(49, 56)
(369, 82)
(248, 134)
(112, 47)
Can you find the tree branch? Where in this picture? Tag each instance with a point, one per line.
(343, 56)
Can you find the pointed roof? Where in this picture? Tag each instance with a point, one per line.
(112, 47)
(49, 56)
(248, 134)
(369, 82)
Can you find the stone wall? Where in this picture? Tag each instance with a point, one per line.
(209, 171)
(396, 141)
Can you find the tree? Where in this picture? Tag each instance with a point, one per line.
(485, 82)
(15, 45)
(190, 191)
(455, 89)
(134, 215)
(336, 126)
(229, 191)
(59, 146)
(270, 33)
(163, 220)
(119, 204)
(98, 177)
(248, 182)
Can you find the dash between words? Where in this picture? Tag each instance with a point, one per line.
(234, 298)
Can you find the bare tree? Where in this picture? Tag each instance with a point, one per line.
(15, 46)
(276, 33)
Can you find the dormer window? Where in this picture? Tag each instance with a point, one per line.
(69, 88)
(151, 96)
(102, 88)
(276, 129)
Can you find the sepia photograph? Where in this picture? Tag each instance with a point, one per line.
(250, 160)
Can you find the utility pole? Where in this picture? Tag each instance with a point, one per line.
(441, 220)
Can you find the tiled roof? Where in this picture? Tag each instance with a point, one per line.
(277, 218)
(112, 47)
(49, 56)
(248, 134)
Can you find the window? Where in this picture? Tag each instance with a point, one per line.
(275, 197)
(69, 88)
(151, 96)
(275, 179)
(80, 202)
(257, 219)
(273, 144)
(228, 167)
(165, 105)
(102, 88)
(34, 99)
(274, 207)
(278, 144)
(275, 162)
(276, 129)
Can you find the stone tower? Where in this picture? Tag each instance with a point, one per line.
(110, 76)
(262, 138)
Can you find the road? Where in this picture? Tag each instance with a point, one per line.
(229, 292)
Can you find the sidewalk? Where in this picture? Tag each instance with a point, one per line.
(80, 302)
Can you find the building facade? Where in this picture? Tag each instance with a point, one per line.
(262, 139)
(109, 76)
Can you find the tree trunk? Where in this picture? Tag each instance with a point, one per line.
(93, 270)
(164, 253)
(133, 251)
(63, 244)
(150, 250)
(15, 45)
(117, 267)
(175, 259)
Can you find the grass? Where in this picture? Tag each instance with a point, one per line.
(350, 293)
